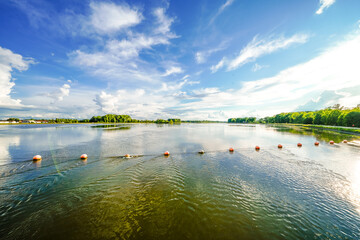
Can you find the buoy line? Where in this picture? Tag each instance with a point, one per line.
(201, 152)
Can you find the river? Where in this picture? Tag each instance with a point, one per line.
(308, 192)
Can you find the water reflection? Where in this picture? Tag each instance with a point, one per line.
(7, 142)
(113, 127)
(288, 193)
(320, 134)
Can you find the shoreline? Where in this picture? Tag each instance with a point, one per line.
(340, 129)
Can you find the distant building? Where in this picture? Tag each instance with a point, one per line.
(28, 121)
(6, 121)
(41, 121)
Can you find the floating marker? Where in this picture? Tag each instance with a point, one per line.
(257, 148)
(166, 153)
(84, 156)
(331, 142)
(231, 150)
(127, 156)
(316, 143)
(299, 145)
(37, 158)
(345, 141)
(279, 146)
(201, 152)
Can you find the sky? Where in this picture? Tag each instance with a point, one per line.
(183, 59)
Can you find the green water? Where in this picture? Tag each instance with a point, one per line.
(293, 193)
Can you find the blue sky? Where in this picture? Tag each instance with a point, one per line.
(186, 59)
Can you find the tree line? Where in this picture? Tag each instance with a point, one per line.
(169, 121)
(334, 116)
(242, 120)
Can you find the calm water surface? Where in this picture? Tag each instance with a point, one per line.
(292, 193)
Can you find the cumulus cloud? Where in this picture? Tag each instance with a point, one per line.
(324, 4)
(59, 94)
(121, 59)
(137, 103)
(334, 70)
(107, 17)
(259, 47)
(8, 62)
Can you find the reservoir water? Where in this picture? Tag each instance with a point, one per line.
(290, 193)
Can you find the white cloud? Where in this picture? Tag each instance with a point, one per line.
(326, 99)
(324, 4)
(205, 91)
(8, 62)
(257, 67)
(60, 93)
(216, 67)
(185, 77)
(257, 48)
(201, 56)
(173, 70)
(334, 69)
(164, 23)
(221, 9)
(176, 86)
(121, 60)
(107, 17)
(137, 103)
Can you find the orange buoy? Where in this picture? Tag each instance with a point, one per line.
(316, 143)
(201, 152)
(166, 153)
(257, 148)
(345, 141)
(37, 158)
(84, 156)
(299, 145)
(127, 156)
(279, 146)
(331, 142)
(231, 149)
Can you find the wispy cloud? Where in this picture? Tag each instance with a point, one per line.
(333, 70)
(37, 12)
(173, 70)
(216, 67)
(221, 9)
(10, 61)
(258, 67)
(324, 4)
(202, 56)
(259, 47)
